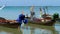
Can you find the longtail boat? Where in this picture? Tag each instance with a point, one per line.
(45, 19)
(6, 23)
(10, 25)
(41, 22)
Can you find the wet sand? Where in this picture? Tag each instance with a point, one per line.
(31, 29)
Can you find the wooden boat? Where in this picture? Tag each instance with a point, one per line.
(5, 23)
(45, 19)
(48, 23)
(10, 25)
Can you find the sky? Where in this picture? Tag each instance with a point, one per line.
(30, 2)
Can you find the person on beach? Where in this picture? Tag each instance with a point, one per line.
(21, 19)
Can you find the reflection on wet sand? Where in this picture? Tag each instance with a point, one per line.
(6, 30)
(2, 32)
(29, 29)
(36, 30)
(57, 28)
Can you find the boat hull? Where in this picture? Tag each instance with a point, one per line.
(48, 23)
(10, 25)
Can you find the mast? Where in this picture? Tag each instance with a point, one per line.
(32, 12)
(47, 9)
(41, 12)
(44, 11)
(2, 5)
